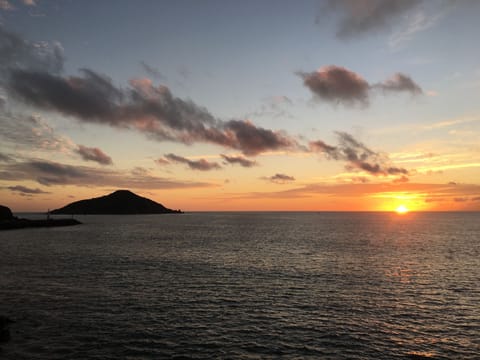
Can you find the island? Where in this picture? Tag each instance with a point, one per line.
(9, 222)
(120, 202)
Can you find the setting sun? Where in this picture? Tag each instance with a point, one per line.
(402, 209)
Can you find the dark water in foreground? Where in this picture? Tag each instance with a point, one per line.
(245, 285)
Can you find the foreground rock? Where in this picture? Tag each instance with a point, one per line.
(4, 328)
(26, 223)
(9, 222)
(120, 202)
(5, 213)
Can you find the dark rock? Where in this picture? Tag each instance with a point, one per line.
(5, 213)
(120, 202)
(4, 328)
(25, 223)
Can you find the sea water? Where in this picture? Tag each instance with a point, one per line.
(245, 286)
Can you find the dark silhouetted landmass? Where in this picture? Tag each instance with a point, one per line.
(5, 328)
(26, 223)
(120, 202)
(5, 213)
(9, 222)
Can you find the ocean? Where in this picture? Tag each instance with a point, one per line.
(245, 286)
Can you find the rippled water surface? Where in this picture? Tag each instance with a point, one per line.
(245, 285)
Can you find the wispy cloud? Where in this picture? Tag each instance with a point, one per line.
(358, 157)
(26, 190)
(280, 178)
(240, 160)
(31, 133)
(357, 18)
(273, 106)
(415, 23)
(94, 154)
(202, 164)
(49, 173)
(152, 71)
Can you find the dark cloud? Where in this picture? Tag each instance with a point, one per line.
(50, 173)
(5, 158)
(27, 190)
(476, 198)
(17, 53)
(357, 156)
(30, 72)
(399, 82)
(152, 71)
(240, 160)
(93, 154)
(280, 178)
(151, 110)
(360, 17)
(90, 97)
(337, 84)
(202, 164)
(252, 140)
(460, 199)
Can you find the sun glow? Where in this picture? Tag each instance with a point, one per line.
(401, 209)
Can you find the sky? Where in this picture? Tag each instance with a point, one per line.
(346, 105)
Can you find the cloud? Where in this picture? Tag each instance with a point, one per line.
(31, 133)
(27, 190)
(240, 160)
(202, 164)
(93, 154)
(274, 106)
(162, 161)
(151, 110)
(152, 71)
(252, 140)
(49, 173)
(139, 171)
(17, 53)
(399, 82)
(339, 85)
(358, 18)
(357, 156)
(415, 23)
(280, 178)
(5, 158)
(5, 5)
(30, 72)
(29, 2)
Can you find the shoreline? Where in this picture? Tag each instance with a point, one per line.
(26, 223)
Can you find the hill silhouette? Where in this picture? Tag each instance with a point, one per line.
(120, 202)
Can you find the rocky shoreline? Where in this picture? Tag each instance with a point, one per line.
(10, 222)
(5, 329)
(26, 223)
